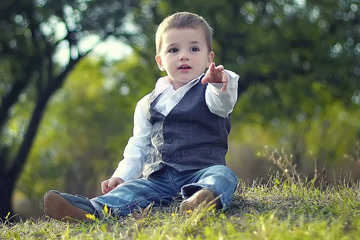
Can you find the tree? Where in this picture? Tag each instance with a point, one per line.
(32, 32)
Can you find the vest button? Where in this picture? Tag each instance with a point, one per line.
(165, 159)
(169, 140)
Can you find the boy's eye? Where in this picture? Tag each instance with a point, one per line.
(173, 50)
(194, 49)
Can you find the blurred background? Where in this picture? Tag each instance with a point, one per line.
(71, 72)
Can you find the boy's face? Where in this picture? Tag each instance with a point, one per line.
(184, 55)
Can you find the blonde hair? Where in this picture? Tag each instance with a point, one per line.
(183, 20)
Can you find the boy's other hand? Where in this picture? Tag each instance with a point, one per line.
(110, 184)
(216, 74)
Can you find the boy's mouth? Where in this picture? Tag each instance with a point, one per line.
(184, 66)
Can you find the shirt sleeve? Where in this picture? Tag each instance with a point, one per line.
(138, 146)
(220, 102)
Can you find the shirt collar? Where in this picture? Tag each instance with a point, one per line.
(164, 83)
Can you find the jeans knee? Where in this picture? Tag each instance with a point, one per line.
(226, 171)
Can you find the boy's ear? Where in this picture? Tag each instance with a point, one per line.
(211, 56)
(159, 62)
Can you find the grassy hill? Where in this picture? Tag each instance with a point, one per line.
(272, 209)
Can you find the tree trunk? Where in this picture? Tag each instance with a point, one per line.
(8, 101)
(7, 183)
(29, 137)
(9, 175)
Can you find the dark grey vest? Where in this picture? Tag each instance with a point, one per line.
(189, 137)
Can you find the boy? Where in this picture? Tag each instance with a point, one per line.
(180, 133)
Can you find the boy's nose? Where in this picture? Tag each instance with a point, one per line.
(183, 56)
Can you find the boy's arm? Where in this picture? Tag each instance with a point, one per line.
(221, 93)
(138, 146)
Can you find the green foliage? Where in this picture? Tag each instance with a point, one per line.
(40, 44)
(33, 33)
(314, 139)
(83, 134)
(86, 127)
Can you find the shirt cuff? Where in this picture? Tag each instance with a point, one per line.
(125, 172)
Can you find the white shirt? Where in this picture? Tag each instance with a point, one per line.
(219, 102)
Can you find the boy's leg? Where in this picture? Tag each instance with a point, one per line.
(213, 183)
(135, 194)
(158, 189)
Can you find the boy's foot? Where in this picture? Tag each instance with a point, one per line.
(202, 198)
(67, 207)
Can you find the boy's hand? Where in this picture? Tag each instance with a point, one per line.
(110, 184)
(216, 75)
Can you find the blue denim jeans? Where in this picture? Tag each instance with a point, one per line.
(161, 187)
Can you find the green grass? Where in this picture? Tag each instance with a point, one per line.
(290, 209)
